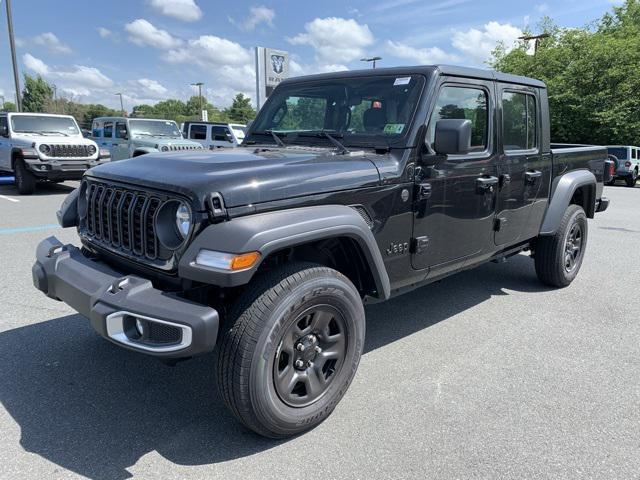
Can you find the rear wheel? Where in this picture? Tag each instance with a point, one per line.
(25, 180)
(291, 349)
(632, 179)
(558, 257)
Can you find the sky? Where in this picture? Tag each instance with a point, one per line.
(152, 50)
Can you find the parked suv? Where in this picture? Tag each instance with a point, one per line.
(350, 188)
(38, 146)
(132, 137)
(213, 134)
(627, 160)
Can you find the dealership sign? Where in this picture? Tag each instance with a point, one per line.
(272, 66)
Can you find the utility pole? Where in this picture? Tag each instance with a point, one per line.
(55, 98)
(199, 85)
(537, 39)
(121, 104)
(2, 104)
(372, 60)
(12, 45)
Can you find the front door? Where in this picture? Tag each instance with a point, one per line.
(5, 146)
(120, 145)
(454, 216)
(521, 167)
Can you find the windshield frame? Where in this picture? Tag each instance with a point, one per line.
(133, 132)
(353, 140)
(44, 131)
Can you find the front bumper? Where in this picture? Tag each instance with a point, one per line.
(114, 301)
(62, 169)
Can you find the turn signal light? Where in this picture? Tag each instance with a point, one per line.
(227, 261)
(246, 260)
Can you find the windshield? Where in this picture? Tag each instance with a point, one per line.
(619, 152)
(154, 128)
(44, 125)
(362, 110)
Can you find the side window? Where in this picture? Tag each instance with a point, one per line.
(4, 125)
(121, 130)
(463, 103)
(219, 133)
(95, 129)
(519, 121)
(107, 131)
(198, 132)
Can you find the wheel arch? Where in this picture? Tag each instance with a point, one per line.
(332, 235)
(577, 187)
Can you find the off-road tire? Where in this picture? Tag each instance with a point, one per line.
(252, 336)
(551, 251)
(25, 180)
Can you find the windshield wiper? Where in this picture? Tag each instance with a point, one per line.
(332, 138)
(276, 138)
(53, 131)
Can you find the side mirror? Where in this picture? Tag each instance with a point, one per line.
(452, 137)
(4, 131)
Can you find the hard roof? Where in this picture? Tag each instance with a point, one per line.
(427, 70)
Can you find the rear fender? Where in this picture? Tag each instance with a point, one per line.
(565, 187)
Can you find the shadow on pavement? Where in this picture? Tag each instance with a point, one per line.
(43, 188)
(95, 409)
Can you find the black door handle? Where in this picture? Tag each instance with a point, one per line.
(532, 175)
(486, 184)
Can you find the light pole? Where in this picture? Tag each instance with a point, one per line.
(12, 45)
(199, 85)
(2, 104)
(121, 104)
(537, 39)
(372, 60)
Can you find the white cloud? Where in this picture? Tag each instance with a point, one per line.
(335, 39)
(104, 32)
(77, 80)
(52, 43)
(257, 15)
(477, 45)
(152, 87)
(209, 50)
(542, 8)
(141, 32)
(35, 64)
(186, 10)
(422, 56)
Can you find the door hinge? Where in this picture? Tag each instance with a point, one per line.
(420, 244)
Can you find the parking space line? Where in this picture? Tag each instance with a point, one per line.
(9, 198)
(35, 228)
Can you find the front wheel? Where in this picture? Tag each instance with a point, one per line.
(25, 180)
(291, 349)
(632, 179)
(558, 257)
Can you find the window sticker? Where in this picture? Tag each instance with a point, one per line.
(402, 81)
(392, 128)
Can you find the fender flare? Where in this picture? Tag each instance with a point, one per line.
(565, 186)
(269, 232)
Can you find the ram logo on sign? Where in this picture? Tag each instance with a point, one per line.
(272, 67)
(277, 64)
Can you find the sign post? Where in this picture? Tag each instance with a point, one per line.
(272, 66)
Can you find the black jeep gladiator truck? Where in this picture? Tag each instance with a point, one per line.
(349, 188)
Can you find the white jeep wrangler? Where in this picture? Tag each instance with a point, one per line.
(38, 146)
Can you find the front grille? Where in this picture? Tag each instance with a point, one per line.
(184, 147)
(70, 151)
(122, 219)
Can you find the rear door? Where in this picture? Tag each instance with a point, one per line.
(521, 167)
(198, 133)
(453, 222)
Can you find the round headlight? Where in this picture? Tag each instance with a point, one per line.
(164, 148)
(91, 149)
(183, 219)
(44, 148)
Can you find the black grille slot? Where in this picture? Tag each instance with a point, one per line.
(163, 334)
(123, 219)
(364, 214)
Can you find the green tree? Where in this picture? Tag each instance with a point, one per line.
(240, 110)
(591, 75)
(8, 107)
(36, 94)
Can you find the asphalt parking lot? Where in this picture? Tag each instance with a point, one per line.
(486, 374)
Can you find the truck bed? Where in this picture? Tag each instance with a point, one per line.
(567, 157)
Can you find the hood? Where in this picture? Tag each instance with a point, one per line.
(153, 141)
(245, 175)
(52, 139)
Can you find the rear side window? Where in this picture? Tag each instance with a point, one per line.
(198, 132)
(463, 103)
(3, 122)
(519, 121)
(108, 130)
